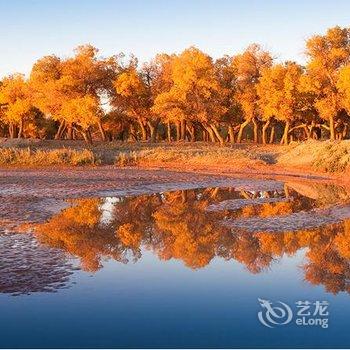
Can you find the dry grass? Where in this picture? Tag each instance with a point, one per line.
(189, 156)
(63, 156)
(325, 156)
(135, 153)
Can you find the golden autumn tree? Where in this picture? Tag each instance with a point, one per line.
(82, 113)
(327, 55)
(279, 95)
(247, 68)
(270, 91)
(136, 90)
(57, 82)
(15, 97)
(117, 124)
(50, 89)
(90, 75)
(186, 96)
(133, 97)
(343, 85)
(157, 77)
(227, 81)
(194, 94)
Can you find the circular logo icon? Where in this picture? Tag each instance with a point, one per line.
(274, 315)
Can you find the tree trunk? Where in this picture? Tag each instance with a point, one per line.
(255, 130)
(183, 130)
(210, 133)
(143, 130)
(331, 128)
(60, 130)
(205, 135)
(272, 134)
(241, 129)
(70, 132)
(102, 131)
(132, 133)
(169, 131)
(266, 125)
(217, 134)
(231, 134)
(191, 131)
(153, 130)
(308, 131)
(178, 130)
(20, 129)
(11, 131)
(284, 139)
(345, 131)
(87, 136)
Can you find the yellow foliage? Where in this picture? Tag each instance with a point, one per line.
(327, 54)
(16, 96)
(194, 94)
(278, 91)
(83, 111)
(247, 68)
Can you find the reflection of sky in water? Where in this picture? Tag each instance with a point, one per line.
(163, 303)
(153, 304)
(106, 209)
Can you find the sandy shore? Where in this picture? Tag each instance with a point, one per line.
(66, 182)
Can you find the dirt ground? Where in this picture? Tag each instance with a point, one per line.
(100, 181)
(263, 163)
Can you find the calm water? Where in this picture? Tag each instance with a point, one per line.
(184, 268)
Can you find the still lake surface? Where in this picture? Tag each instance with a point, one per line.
(179, 268)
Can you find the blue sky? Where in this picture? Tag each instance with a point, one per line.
(31, 29)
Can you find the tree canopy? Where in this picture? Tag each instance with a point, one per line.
(187, 96)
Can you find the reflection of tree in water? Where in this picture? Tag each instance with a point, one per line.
(26, 267)
(329, 258)
(178, 225)
(77, 230)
